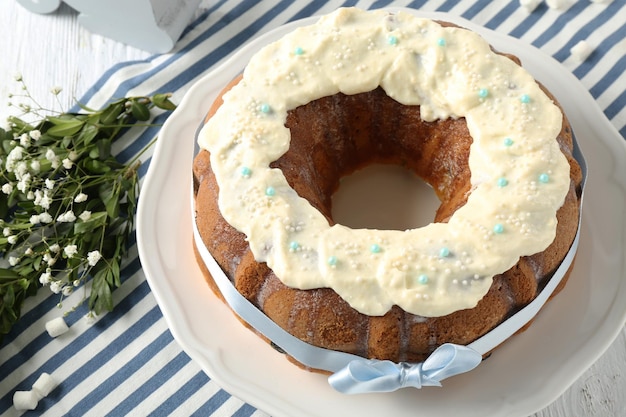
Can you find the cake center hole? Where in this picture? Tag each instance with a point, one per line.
(385, 197)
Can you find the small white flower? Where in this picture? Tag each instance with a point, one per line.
(67, 163)
(55, 287)
(70, 250)
(35, 165)
(34, 219)
(25, 140)
(66, 217)
(18, 152)
(67, 290)
(50, 155)
(28, 252)
(49, 183)
(90, 317)
(56, 90)
(30, 195)
(55, 248)
(73, 156)
(80, 198)
(45, 201)
(24, 183)
(47, 258)
(17, 76)
(35, 134)
(20, 169)
(13, 260)
(13, 157)
(7, 188)
(6, 232)
(85, 215)
(44, 278)
(76, 282)
(12, 239)
(93, 257)
(45, 217)
(55, 162)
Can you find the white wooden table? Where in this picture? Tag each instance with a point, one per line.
(54, 51)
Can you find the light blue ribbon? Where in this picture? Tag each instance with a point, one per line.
(366, 375)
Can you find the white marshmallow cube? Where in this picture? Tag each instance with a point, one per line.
(56, 327)
(581, 50)
(44, 385)
(25, 400)
(560, 5)
(529, 5)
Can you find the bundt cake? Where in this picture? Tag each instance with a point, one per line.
(359, 88)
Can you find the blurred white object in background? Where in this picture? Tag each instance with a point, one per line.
(151, 25)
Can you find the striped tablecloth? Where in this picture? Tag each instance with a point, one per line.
(127, 362)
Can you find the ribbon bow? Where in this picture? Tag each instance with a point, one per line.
(367, 375)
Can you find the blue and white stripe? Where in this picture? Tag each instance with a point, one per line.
(127, 361)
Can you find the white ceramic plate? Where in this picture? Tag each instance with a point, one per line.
(524, 375)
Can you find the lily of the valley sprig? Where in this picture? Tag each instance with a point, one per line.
(67, 206)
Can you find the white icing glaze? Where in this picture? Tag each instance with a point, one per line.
(450, 72)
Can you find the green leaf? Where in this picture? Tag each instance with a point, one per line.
(65, 128)
(94, 166)
(8, 297)
(140, 111)
(94, 152)
(87, 109)
(162, 101)
(111, 113)
(100, 298)
(37, 262)
(95, 221)
(86, 135)
(104, 149)
(20, 125)
(110, 196)
(7, 275)
(8, 145)
(115, 273)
